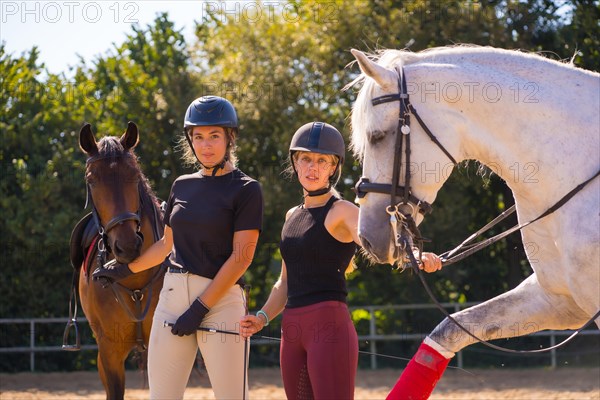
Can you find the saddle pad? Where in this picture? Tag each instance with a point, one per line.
(81, 238)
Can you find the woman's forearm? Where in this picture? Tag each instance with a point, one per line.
(155, 254)
(234, 268)
(277, 299)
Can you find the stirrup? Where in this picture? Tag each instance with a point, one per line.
(72, 323)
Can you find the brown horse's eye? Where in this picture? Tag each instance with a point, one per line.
(90, 180)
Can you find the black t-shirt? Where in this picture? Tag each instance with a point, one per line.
(204, 212)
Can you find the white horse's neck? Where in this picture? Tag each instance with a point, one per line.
(511, 113)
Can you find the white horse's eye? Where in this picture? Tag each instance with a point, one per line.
(375, 136)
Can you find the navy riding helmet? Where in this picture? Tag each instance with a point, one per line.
(210, 111)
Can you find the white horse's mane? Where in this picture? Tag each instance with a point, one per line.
(393, 59)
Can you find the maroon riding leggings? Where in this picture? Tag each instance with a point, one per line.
(319, 352)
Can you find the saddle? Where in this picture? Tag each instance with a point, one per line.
(85, 233)
(82, 237)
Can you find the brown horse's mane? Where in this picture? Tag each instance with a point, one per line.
(111, 147)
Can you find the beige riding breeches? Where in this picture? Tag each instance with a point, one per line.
(171, 358)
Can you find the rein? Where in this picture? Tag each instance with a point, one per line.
(246, 341)
(137, 295)
(449, 257)
(276, 339)
(409, 233)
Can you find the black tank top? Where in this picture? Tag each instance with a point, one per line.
(315, 260)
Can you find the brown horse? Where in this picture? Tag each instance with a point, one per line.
(127, 219)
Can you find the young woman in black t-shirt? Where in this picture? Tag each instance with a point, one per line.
(213, 219)
(319, 344)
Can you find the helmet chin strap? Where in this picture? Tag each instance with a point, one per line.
(217, 167)
(318, 192)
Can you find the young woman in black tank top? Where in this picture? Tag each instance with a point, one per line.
(319, 346)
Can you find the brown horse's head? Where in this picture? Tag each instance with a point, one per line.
(113, 177)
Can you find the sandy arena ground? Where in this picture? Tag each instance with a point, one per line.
(561, 384)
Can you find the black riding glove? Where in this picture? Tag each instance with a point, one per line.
(190, 320)
(112, 272)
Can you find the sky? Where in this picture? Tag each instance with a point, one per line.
(63, 29)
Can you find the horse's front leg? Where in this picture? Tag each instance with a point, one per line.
(526, 309)
(111, 368)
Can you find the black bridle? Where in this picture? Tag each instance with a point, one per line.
(409, 236)
(103, 244)
(404, 212)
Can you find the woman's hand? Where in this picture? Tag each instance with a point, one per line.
(112, 271)
(250, 324)
(430, 262)
(190, 320)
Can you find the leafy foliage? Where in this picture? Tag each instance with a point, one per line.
(280, 69)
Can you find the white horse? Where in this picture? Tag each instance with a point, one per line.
(535, 122)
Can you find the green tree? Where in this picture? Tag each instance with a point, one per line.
(43, 189)
(281, 68)
(37, 187)
(580, 39)
(146, 80)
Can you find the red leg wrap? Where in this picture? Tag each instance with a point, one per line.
(420, 375)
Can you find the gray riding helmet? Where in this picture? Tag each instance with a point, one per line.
(319, 137)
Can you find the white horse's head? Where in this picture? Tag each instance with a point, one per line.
(374, 133)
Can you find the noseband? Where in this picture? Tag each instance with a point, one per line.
(405, 211)
(103, 245)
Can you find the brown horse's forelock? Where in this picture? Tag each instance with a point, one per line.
(110, 147)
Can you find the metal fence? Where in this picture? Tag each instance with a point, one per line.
(373, 338)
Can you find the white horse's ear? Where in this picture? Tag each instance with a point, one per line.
(383, 76)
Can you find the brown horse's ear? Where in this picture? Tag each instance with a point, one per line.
(87, 142)
(131, 137)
